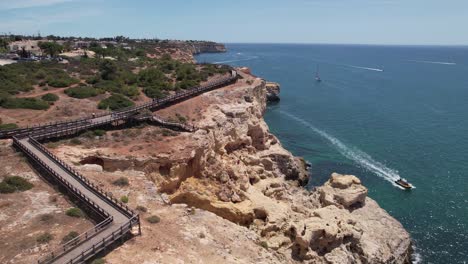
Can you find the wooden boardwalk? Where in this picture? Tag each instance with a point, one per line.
(116, 220)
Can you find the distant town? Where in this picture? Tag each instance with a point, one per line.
(15, 48)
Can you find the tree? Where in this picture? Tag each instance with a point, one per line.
(3, 44)
(51, 48)
(108, 70)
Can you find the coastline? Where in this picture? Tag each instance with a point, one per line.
(235, 169)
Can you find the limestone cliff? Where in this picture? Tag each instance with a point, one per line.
(235, 168)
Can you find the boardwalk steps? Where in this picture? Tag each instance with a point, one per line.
(115, 219)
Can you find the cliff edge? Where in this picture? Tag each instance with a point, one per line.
(230, 192)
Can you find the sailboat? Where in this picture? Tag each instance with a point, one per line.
(317, 76)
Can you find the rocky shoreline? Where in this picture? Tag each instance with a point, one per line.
(236, 169)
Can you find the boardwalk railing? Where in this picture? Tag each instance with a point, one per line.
(106, 241)
(111, 200)
(78, 194)
(72, 189)
(60, 251)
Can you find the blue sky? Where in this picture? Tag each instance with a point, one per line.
(423, 22)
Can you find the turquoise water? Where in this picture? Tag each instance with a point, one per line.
(381, 112)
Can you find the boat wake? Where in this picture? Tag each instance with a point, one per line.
(434, 62)
(365, 68)
(361, 158)
(236, 60)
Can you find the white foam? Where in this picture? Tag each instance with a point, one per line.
(434, 62)
(228, 61)
(352, 153)
(416, 257)
(365, 68)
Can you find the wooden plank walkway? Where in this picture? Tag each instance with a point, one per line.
(118, 219)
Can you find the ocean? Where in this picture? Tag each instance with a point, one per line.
(380, 112)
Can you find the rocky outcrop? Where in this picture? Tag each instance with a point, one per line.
(343, 191)
(272, 91)
(207, 47)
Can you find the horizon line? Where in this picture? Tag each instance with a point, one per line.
(349, 44)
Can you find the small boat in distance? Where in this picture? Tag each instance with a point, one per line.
(403, 183)
(317, 76)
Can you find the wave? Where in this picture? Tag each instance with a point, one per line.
(434, 62)
(236, 60)
(365, 68)
(416, 257)
(352, 153)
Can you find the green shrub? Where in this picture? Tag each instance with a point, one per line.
(182, 119)
(75, 141)
(142, 209)
(99, 132)
(186, 84)
(44, 238)
(8, 126)
(70, 236)
(25, 103)
(81, 92)
(122, 181)
(74, 212)
(115, 102)
(40, 74)
(130, 91)
(154, 219)
(5, 188)
(46, 217)
(13, 184)
(98, 261)
(264, 244)
(124, 199)
(92, 80)
(157, 91)
(50, 97)
(61, 82)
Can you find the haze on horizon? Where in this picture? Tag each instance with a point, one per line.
(391, 22)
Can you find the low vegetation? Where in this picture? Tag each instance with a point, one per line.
(122, 181)
(125, 76)
(115, 102)
(26, 103)
(99, 132)
(46, 217)
(75, 141)
(154, 219)
(99, 261)
(70, 236)
(82, 92)
(124, 199)
(8, 126)
(11, 184)
(264, 244)
(50, 97)
(142, 209)
(74, 212)
(44, 238)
